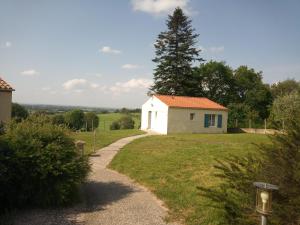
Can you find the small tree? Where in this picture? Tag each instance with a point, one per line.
(75, 119)
(285, 108)
(91, 121)
(19, 112)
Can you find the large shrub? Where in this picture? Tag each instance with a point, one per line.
(126, 122)
(18, 112)
(115, 125)
(75, 119)
(39, 165)
(277, 163)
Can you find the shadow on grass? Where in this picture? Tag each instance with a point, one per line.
(95, 196)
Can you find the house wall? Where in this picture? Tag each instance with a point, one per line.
(5, 106)
(179, 121)
(159, 116)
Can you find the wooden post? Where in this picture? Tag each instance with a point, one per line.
(94, 140)
(265, 126)
(283, 125)
(236, 123)
(250, 123)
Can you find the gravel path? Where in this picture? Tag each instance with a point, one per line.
(110, 198)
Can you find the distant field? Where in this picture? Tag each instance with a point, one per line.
(173, 166)
(105, 136)
(105, 120)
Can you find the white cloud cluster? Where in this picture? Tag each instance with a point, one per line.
(109, 50)
(30, 72)
(130, 66)
(158, 7)
(216, 50)
(79, 85)
(213, 50)
(128, 86)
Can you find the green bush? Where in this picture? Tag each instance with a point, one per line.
(91, 121)
(39, 165)
(75, 119)
(115, 125)
(126, 122)
(58, 119)
(18, 112)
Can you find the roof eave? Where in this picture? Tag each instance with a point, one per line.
(225, 109)
(7, 90)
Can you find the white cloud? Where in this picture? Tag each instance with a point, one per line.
(159, 7)
(109, 50)
(216, 50)
(131, 85)
(7, 44)
(78, 85)
(130, 66)
(29, 73)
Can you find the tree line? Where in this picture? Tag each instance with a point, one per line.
(241, 90)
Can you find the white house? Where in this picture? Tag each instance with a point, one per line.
(167, 114)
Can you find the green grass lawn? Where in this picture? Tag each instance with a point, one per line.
(105, 136)
(174, 166)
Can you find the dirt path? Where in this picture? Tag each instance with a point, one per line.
(110, 198)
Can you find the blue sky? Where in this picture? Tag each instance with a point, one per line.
(98, 52)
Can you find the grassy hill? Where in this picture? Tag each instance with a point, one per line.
(174, 166)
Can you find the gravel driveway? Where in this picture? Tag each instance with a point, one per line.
(110, 198)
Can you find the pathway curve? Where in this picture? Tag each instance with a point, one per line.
(110, 198)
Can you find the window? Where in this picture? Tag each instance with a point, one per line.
(212, 120)
(192, 116)
(209, 120)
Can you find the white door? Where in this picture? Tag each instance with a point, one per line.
(149, 119)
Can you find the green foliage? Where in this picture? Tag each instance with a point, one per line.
(252, 91)
(18, 112)
(285, 109)
(39, 165)
(277, 163)
(285, 87)
(282, 167)
(91, 121)
(75, 119)
(115, 125)
(242, 113)
(214, 80)
(175, 51)
(58, 119)
(125, 122)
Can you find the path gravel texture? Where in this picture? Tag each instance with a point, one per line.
(110, 198)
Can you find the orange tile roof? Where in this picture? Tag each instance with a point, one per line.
(189, 102)
(5, 86)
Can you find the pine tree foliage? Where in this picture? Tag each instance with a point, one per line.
(175, 53)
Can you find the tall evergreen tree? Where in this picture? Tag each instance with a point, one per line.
(175, 53)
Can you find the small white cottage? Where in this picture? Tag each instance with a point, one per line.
(167, 114)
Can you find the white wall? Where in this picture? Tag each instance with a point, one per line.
(179, 121)
(158, 123)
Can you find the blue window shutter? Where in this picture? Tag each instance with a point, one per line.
(206, 120)
(219, 121)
